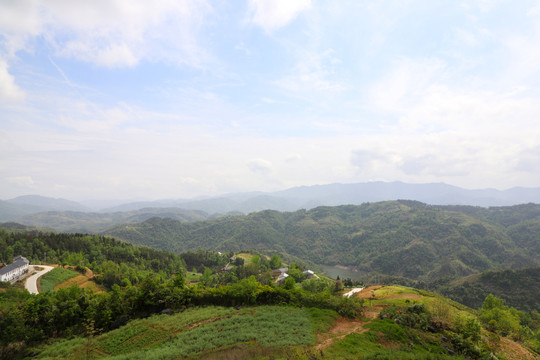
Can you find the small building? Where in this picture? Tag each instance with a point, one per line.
(309, 274)
(282, 277)
(15, 269)
(277, 272)
(226, 269)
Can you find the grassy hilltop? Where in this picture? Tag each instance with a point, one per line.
(396, 323)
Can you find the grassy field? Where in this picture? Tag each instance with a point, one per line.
(201, 332)
(81, 281)
(57, 275)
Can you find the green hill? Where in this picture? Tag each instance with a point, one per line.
(519, 288)
(395, 323)
(151, 311)
(400, 238)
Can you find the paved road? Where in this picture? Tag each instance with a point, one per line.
(352, 292)
(31, 282)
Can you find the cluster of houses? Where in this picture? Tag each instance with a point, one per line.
(281, 274)
(18, 267)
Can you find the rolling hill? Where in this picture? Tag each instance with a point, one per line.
(401, 238)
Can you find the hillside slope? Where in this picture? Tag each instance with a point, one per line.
(396, 323)
(402, 238)
(518, 288)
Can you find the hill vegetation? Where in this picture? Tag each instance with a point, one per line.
(238, 311)
(398, 238)
(518, 288)
(91, 222)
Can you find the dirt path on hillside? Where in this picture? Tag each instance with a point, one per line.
(516, 351)
(342, 328)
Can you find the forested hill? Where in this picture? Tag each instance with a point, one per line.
(518, 288)
(404, 238)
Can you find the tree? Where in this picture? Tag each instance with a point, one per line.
(256, 261)
(289, 283)
(206, 277)
(275, 262)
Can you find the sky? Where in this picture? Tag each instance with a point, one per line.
(177, 99)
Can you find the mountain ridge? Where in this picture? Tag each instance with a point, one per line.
(292, 199)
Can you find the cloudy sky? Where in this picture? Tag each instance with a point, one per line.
(176, 99)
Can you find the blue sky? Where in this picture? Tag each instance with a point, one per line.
(176, 99)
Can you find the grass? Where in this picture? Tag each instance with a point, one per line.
(269, 332)
(246, 256)
(193, 277)
(201, 331)
(387, 340)
(57, 275)
(81, 281)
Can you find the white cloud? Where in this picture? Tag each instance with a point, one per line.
(9, 91)
(111, 33)
(260, 166)
(274, 14)
(313, 72)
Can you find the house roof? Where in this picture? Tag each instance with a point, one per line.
(309, 272)
(283, 276)
(18, 261)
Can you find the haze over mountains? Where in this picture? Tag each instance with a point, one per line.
(66, 215)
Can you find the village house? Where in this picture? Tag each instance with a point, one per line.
(282, 277)
(277, 272)
(15, 269)
(226, 269)
(309, 274)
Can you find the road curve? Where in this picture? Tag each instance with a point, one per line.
(352, 292)
(31, 282)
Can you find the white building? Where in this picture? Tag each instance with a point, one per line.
(15, 269)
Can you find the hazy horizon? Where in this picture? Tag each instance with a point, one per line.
(181, 99)
(210, 196)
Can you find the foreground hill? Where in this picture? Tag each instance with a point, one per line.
(401, 238)
(395, 323)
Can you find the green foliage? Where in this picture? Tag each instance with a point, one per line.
(397, 238)
(54, 277)
(118, 262)
(201, 330)
(500, 318)
(519, 288)
(275, 262)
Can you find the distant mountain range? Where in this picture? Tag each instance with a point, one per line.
(56, 212)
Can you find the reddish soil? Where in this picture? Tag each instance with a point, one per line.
(368, 293)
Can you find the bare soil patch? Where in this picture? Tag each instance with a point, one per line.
(368, 293)
(342, 328)
(515, 351)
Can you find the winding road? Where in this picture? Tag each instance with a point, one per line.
(31, 282)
